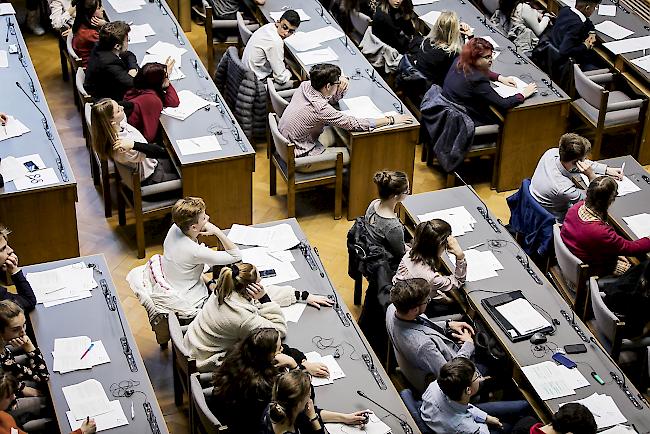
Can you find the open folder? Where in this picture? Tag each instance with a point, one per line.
(518, 319)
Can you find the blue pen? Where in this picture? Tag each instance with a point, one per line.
(86, 352)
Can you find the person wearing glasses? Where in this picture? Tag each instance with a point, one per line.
(422, 345)
(468, 83)
(264, 52)
(446, 408)
(310, 111)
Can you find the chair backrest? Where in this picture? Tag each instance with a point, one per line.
(87, 110)
(71, 52)
(182, 356)
(360, 22)
(278, 103)
(413, 406)
(591, 92)
(126, 174)
(491, 5)
(569, 264)
(606, 320)
(209, 423)
(280, 142)
(80, 77)
(244, 32)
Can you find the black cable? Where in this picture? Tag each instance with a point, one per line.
(127, 389)
(324, 343)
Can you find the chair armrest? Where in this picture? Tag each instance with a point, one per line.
(624, 105)
(484, 130)
(224, 24)
(287, 93)
(161, 187)
(602, 78)
(205, 378)
(596, 72)
(312, 159)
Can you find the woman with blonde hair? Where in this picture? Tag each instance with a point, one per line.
(239, 305)
(113, 138)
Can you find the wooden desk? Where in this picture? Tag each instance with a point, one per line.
(43, 220)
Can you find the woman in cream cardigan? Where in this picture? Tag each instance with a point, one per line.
(239, 305)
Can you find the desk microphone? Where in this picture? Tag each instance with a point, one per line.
(162, 7)
(398, 104)
(483, 210)
(305, 248)
(405, 426)
(337, 306)
(367, 358)
(321, 12)
(10, 26)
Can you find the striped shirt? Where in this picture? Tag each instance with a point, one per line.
(307, 115)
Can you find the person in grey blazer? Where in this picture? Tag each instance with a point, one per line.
(423, 346)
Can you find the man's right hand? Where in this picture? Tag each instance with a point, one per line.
(464, 336)
(585, 168)
(530, 89)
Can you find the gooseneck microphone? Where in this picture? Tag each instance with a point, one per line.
(405, 426)
(483, 210)
(337, 306)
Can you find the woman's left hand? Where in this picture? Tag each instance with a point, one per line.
(317, 369)
(318, 300)
(508, 81)
(123, 145)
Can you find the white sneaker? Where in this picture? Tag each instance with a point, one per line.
(33, 23)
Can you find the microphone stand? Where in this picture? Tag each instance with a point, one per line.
(483, 210)
(405, 426)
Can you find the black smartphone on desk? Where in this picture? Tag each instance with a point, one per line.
(575, 349)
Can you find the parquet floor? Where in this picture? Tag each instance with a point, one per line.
(100, 235)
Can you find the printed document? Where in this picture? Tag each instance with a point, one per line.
(317, 56)
(626, 186)
(325, 34)
(604, 409)
(13, 128)
(300, 41)
(332, 365)
(522, 316)
(546, 382)
(36, 179)
(86, 399)
(374, 426)
(189, 104)
(361, 107)
(607, 10)
(642, 62)
(460, 220)
(628, 45)
(278, 237)
(198, 145)
(613, 30)
(113, 418)
(260, 257)
(122, 6)
(11, 168)
(639, 223)
(506, 91)
(139, 33)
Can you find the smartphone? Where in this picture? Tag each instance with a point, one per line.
(267, 273)
(564, 360)
(575, 349)
(31, 166)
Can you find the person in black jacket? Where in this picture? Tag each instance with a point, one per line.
(468, 83)
(574, 34)
(25, 297)
(111, 67)
(393, 24)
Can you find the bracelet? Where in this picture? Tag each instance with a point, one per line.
(314, 419)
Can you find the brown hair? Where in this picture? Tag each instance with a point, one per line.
(102, 131)
(8, 311)
(600, 194)
(429, 237)
(185, 212)
(8, 385)
(573, 147)
(235, 278)
(390, 183)
(455, 376)
(290, 388)
(406, 8)
(112, 34)
(409, 293)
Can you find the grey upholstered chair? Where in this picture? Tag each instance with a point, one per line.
(183, 365)
(75, 63)
(360, 23)
(278, 98)
(604, 111)
(245, 29)
(202, 420)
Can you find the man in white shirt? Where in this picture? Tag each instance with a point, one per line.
(264, 52)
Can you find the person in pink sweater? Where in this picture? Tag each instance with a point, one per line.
(151, 92)
(589, 236)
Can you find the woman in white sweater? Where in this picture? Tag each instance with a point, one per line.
(239, 305)
(522, 23)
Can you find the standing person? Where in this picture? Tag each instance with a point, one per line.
(393, 23)
(62, 14)
(89, 18)
(24, 296)
(264, 52)
(574, 35)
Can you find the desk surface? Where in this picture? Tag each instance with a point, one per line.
(91, 317)
(340, 396)
(515, 277)
(202, 122)
(15, 103)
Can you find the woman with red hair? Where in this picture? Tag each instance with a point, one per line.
(468, 83)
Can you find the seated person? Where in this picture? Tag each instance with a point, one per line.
(264, 52)
(151, 92)
(89, 18)
(574, 35)
(111, 67)
(468, 83)
(383, 223)
(571, 418)
(292, 409)
(62, 14)
(243, 383)
(239, 305)
(342, 9)
(184, 258)
(552, 185)
(589, 236)
(440, 47)
(446, 408)
(25, 297)
(522, 23)
(310, 110)
(115, 139)
(393, 24)
(8, 389)
(424, 345)
(424, 260)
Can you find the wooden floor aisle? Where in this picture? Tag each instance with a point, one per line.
(100, 235)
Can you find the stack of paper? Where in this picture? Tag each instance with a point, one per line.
(122, 6)
(11, 169)
(317, 56)
(13, 128)
(62, 285)
(374, 426)
(68, 354)
(165, 50)
(613, 30)
(176, 73)
(607, 10)
(604, 409)
(114, 418)
(460, 220)
(198, 145)
(626, 186)
(628, 45)
(88, 399)
(139, 33)
(361, 107)
(300, 41)
(642, 62)
(303, 41)
(263, 261)
(303, 16)
(325, 34)
(507, 91)
(522, 316)
(554, 381)
(640, 224)
(189, 103)
(431, 17)
(332, 365)
(276, 238)
(480, 265)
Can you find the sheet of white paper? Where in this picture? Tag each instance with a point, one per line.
(619, 429)
(4, 60)
(283, 255)
(546, 383)
(87, 398)
(166, 50)
(317, 56)
(423, 2)
(361, 107)
(490, 40)
(642, 62)
(607, 10)
(431, 17)
(460, 220)
(122, 6)
(68, 352)
(7, 9)
(198, 145)
(639, 223)
(139, 33)
(114, 418)
(37, 179)
(573, 377)
(276, 238)
(62, 285)
(11, 168)
(189, 104)
(332, 365)
(325, 34)
(480, 265)
(294, 312)
(604, 409)
(34, 158)
(628, 45)
(79, 296)
(613, 30)
(13, 128)
(176, 73)
(303, 15)
(260, 257)
(507, 91)
(300, 41)
(98, 355)
(626, 186)
(374, 426)
(522, 316)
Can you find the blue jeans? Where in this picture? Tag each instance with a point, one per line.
(508, 412)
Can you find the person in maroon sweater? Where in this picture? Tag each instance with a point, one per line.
(151, 92)
(85, 29)
(589, 236)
